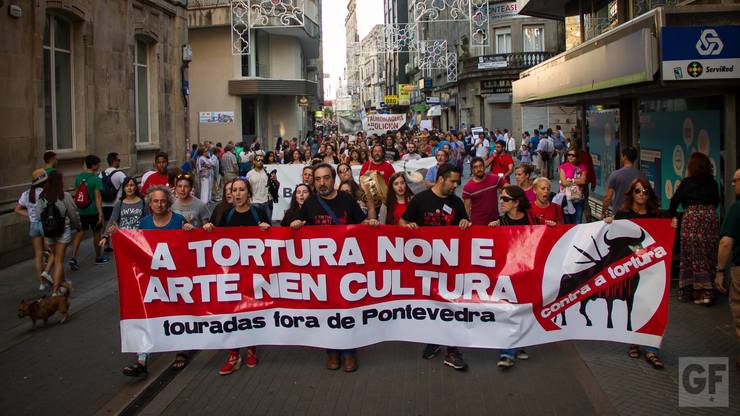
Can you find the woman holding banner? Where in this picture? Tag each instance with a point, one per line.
(300, 194)
(515, 210)
(641, 201)
(243, 214)
(396, 201)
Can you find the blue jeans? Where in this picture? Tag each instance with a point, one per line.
(509, 353)
(351, 352)
(577, 217)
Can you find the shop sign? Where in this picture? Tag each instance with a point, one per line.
(506, 10)
(404, 93)
(390, 100)
(702, 52)
(432, 100)
(495, 86)
(303, 101)
(425, 83)
(492, 62)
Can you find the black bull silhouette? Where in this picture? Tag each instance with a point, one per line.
(624, 290)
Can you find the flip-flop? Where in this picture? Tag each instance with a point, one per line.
(634, 351)
(181, 361)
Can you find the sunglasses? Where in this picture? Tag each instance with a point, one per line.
(571, 154)
(641, 191)
(506, 198)
(258, 160)
(184, 176)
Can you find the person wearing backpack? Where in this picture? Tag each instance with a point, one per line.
(58, 215)
(26, 207)
(112, 179)
(89, 200)
(545, 149)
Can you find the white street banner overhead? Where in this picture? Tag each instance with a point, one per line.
(382, 123)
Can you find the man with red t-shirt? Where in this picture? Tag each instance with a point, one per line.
(157, 176)
(378, 163)
(480, 194)
(501, 162)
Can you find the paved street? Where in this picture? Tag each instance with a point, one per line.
(74, 368)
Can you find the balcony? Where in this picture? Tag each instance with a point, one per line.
(504, 63)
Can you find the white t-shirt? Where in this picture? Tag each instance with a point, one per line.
(482, 150)
(117, 181)
(258, 182)
(23, 201)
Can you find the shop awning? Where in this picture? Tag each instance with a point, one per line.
(559, 9)
(623, 56)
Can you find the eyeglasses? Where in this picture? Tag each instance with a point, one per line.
(343, 170)
(184, 176)
(505, 198)
(643, 191)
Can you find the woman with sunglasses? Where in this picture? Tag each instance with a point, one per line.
(640, 201)
(194, 210)
(515, 210)
(243, 214)
(573, 178)
(128, 211)
(300, 194)
(344, 172)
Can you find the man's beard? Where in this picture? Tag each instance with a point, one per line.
(325, 190)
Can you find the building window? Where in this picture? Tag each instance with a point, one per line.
(141, 86)
(534, 38)
(503, 39)
(58, 98)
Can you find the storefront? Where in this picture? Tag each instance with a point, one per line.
(660, 82)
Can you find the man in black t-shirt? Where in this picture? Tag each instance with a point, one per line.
(434, 207)
(329, 207)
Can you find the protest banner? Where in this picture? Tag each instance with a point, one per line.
(382, 123)
(351, 286)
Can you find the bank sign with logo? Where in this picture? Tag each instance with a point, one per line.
(704, 52)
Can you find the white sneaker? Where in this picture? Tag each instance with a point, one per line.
(42, 287)
(46, 276)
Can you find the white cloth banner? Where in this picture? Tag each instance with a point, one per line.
(381, 123)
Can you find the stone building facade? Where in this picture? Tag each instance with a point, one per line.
(86, 77)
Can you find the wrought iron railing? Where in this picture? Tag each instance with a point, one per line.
(504, 61)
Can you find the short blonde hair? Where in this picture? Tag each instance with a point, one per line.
(540, 180)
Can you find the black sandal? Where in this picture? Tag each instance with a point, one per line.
(181, 361)
(634, 351)
(654, 360)
(137, 370)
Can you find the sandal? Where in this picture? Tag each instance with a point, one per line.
(634, 351)
(137, 370)
(654, 360)
(181, 360)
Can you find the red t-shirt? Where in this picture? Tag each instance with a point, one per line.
(398, 209)
(155, 178)
(386, 169)
(483, 198)
(500, 164)
(553, 212)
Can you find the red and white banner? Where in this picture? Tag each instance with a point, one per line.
(350, 286)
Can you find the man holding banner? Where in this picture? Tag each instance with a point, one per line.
(329, 207)
(439, 206)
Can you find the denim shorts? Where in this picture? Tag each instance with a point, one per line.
(36, 230)
(65, 238)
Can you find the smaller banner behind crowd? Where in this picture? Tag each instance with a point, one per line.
(351, 286)
(382, 123)
(291, 175)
